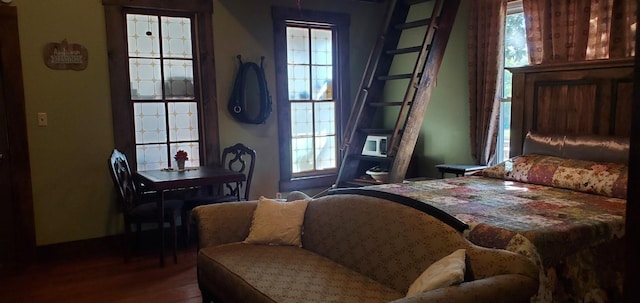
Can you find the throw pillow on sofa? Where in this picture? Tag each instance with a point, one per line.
(277, 223)
(442, 273)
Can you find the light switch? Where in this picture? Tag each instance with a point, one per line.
(42, 119)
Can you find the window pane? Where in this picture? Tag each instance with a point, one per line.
(297, 45)
(149, 122)
(176, 37)
(146, 81)
(139, 43)
(322, 84)
(302, 154)
(183, 121)
(299, 82)
(178, 78)
(321, 47)
(151, 156)
(508, 83)
(505, 129)
(325, 152)
(325, 118)
(515, 48)
(301, 119)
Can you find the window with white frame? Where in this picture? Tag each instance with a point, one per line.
(515, 54)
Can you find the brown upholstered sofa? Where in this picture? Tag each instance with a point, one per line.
(354, 249)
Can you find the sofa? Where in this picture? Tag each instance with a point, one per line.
(353, 249)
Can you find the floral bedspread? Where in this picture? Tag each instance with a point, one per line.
(568, 234)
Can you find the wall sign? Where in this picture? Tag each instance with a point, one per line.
(65, 56)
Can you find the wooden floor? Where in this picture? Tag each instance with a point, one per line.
(106, 278)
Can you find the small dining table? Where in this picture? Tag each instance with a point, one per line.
(161, 180)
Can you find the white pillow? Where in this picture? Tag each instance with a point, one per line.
(442, 273)
(277, 223)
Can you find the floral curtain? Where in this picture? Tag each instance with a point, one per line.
(486, 53)
(576, 30)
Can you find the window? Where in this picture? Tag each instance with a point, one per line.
(156, 77)
(161, 81)
(311, 86)
(515, 54)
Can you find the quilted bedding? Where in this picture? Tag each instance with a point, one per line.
(570, 223)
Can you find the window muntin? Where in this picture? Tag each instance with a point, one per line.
(310, 92)
(161, 74)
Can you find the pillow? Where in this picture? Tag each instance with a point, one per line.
(600, 178)
(277, 223)
(444, 272)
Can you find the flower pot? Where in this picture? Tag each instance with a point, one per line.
(180, 163)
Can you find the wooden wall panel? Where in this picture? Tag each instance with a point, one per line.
(622, 118)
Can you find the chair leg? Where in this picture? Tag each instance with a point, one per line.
(126, 241)
(138, 231)
(186, 227)
(175, 239)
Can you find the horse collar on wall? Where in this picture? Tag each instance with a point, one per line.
(250, 101)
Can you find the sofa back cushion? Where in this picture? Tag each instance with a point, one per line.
(389, 242)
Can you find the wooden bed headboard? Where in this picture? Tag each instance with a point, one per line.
(577, 98)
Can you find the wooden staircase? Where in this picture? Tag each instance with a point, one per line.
(367, 108)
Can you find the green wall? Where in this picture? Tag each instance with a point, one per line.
(72, 190)
(444, 137)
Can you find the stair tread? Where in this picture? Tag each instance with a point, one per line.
(396, 77)
(413, 24)
(388, 103)
(376, 131)
(406, 50)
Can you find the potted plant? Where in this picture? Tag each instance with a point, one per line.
(181, 156)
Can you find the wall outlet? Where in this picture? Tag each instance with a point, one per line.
(42, 119)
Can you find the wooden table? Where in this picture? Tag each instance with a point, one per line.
(162, 180)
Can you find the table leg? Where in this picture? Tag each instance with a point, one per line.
(161, 226)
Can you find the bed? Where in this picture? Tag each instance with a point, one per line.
(560, 199)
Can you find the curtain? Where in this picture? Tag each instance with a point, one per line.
(486, 53)
(624, 28)
(577, 30)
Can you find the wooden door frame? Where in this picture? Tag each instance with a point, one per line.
(18, 153)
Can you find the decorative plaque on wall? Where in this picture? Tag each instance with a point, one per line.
(64, 55)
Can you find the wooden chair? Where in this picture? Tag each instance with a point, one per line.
(138, 207)
(238, 158)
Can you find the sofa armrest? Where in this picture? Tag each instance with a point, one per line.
(498, 289)
(485, 262)
(223, 222)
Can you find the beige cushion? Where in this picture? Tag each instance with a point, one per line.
(277, 223)
(444, 272)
